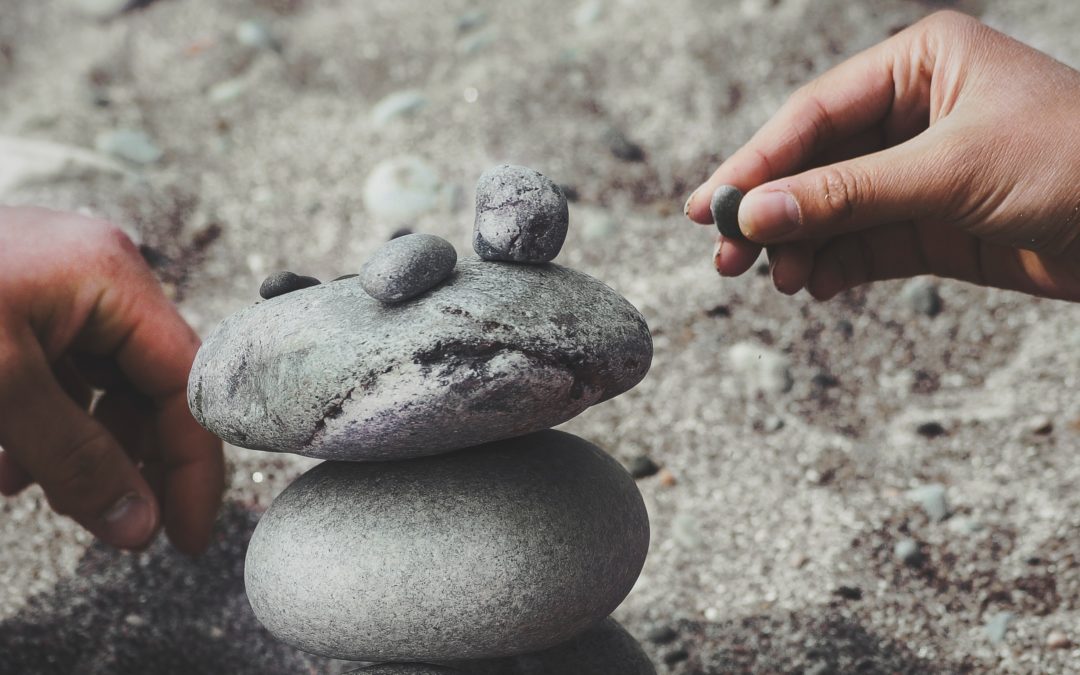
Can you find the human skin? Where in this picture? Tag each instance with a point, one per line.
(79, 311)
(948, 149)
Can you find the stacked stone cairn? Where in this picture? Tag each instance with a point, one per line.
(450, 529)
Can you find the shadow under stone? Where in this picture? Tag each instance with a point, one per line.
(153, 612)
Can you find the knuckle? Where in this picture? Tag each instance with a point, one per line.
(950, 21)
(110, 240)
(839, 191)
(80, 473)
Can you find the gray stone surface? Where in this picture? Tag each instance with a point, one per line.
(606, 649)
(406, 669)
(521, 215)
(724, 206)
(502, 549)
(405, 267)
(498, 350)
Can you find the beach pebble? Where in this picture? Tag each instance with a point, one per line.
(1058, 640)
(724, 206)
(405, 267)
(256, 35)
(997, 626)
(641, 466)
(401, 189)
(128, 144)
(496, 550)
(662, 635)
(922, 296)
(280, 283)
(930, 429)
(622, 147)
(495, 351)
(932, 500)
(761, 368)
(397, 105)
(907, 550)
(521, 216)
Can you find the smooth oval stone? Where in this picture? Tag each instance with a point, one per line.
(606, 649)
(521, 216)
(502, 549)
(498, 350)
(280, 283)
(725, 210)
(405, 267)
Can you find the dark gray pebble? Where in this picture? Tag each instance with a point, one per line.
(662, 635)
(642, 466)
(521, 216)
(400, 232)
(346, 276)
(676, 656)
(280, 283)
(405, 267)
(725, 210)
(622, 147)
(848, 592)
(930, 429)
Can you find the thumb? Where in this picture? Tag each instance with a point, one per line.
(82, 469)
(910, 181)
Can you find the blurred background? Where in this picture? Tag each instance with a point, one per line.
(886, 482)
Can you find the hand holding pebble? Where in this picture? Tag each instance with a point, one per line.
(79, 311)
(948, 149)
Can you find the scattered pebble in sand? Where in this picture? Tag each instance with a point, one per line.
(907, 550)
(405, 267)
(345, 276)
(280, 283)
(666, 478)
(932, 500)
(588, 13)
(622, 147)
(930, 429)
(772, 424)
(762, 369)
(128, 144)
(1040, 425)
(997, 626)
(256, 35)
(400, 232)
(677, 655)
(228, 90)
(134, 620)
(965, 525)
(724, 206)
(401, 189)
(397, 105)
(642, 466)
(662, 635)
(471, 20)
(922, 296)
(848, 592)
(477, 42)
(1058, 640)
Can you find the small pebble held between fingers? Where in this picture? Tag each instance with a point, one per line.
(724, 206)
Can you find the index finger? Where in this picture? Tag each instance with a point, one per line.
(888, 83)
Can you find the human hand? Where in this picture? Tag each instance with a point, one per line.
(79, 309)
(948, 149)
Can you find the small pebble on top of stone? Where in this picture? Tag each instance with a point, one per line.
(405, 267)
(521, 216)
(642, 466)
(725, 210)
(280, 283)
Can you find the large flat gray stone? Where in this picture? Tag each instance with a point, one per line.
(498, 350)
(503, 549)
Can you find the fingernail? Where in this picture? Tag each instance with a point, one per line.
(686, 206)
(767, 215)
(716, 254)
(129, 522)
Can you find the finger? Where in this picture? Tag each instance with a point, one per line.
(791, 265)
(916, 180)
(83, 471)
(72, 382)
(878, 86)
(733, 257)
(13, 478)
(139, 328)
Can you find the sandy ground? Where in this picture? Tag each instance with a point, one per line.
(773, 548)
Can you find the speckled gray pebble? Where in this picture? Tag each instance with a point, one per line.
(725, 210)
(503, 549)
(280, 283)
(521, 216)
(498, 350)
(606, 649)
(405, 267)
